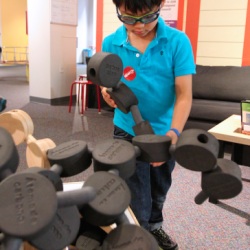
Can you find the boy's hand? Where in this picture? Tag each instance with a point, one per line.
(174, 138)
(107, 98)
(156, 164)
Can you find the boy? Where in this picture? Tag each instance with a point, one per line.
(158, 67)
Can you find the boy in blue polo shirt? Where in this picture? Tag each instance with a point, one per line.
(158, 66)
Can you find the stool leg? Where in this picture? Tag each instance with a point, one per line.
(86, 96)
(98, 99)
(70, 100)
(79, 92)
(82, 97)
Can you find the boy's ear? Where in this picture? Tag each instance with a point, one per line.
(163, 2)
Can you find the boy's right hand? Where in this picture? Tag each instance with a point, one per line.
(107, 98)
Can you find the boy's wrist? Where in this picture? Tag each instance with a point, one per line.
(176, 131)
(173, 136)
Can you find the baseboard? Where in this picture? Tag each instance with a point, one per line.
(55, 101)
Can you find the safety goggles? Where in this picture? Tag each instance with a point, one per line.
(148, 18)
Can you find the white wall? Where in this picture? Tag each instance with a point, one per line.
(0, 28)
(39, 48)
(221, 32)
(62, 59)
(52, 47)
(86, 27)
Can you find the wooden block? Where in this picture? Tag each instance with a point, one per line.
(15, 125)
(27, 119)
(21, 127)
(36, 153)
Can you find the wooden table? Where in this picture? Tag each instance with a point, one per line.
(229, 130)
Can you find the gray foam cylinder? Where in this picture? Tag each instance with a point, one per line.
(136, 114)
(105, 69)
(76, 197)
(224, 182)
(9, 157)
(197, 150)
(200, 198)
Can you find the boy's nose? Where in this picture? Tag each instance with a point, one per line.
(139, 24)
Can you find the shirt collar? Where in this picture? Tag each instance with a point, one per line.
(121, 37)
(162, 29)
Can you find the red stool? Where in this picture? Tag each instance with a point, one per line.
(81, 77)
(83, 83)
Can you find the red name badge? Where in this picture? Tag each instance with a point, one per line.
(129, 74)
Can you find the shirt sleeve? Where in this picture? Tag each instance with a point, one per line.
(183, 57)
(105, 43)
(104, 49)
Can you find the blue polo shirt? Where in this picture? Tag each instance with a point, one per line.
(169, 55)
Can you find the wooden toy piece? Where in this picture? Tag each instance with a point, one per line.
(27, 246)
(20, 125)
(36, 152)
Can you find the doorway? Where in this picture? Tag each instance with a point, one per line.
(86, 32)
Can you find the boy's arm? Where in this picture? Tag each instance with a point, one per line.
(182, 107)
(183, 103)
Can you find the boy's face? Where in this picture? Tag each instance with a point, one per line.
(140, 29)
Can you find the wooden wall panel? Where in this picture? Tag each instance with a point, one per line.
(221, 32)
(108, 28)
(210, 61)
(110, 19)
(223, 50)
(223, 4)
(223, 18)
(109, 7)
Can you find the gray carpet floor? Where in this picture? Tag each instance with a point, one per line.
(208, 226)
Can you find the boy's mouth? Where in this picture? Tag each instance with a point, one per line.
(139, 32)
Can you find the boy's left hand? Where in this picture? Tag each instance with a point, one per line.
(174, 138)
(156, 164)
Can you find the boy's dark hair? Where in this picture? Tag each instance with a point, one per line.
(137, 5)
